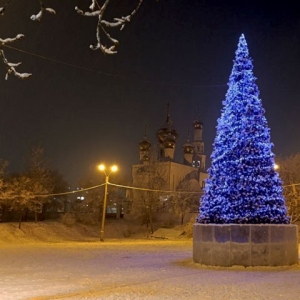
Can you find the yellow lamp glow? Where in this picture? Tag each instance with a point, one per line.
(101, 167)
(114, 168)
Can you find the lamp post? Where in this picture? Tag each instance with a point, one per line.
(113, 168)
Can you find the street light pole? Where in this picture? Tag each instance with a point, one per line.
(104, 209)
(101, 167)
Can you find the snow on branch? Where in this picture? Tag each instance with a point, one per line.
(2, 9)
(36, 17)
(98, 11)
(11, 67)
(40, 14)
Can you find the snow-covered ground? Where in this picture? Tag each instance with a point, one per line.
(127, 268)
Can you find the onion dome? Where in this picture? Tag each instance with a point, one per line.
(166, 130)
(169, 141)
(198, 124)
(144, 145)
(188, 147)
(164, 133)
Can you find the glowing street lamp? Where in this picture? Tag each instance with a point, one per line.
(102, 168)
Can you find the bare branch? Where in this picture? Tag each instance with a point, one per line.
(40, 14)
(10, 40)
(121, 22)
(2, 9)
(96, 10)
(11, 67)
(87, 13)
(118, 22)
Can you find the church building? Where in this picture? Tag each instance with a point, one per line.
(165, 189)
(192, 165)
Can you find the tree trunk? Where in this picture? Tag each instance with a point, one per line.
(20, 219)
(44, 210)
(35, 215)
(182, 218)
(151, 221)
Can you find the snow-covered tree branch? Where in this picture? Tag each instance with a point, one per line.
(11, 67)
(40, 14)
(36, 17)
(98, 11)
(95, 10)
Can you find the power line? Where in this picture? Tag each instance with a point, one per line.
(72, 192)
(132, 188)
(111, 74)
(291, 184)
(117, 185)
(152, 190)
(63, 63)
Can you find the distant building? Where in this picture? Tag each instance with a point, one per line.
(162, 157)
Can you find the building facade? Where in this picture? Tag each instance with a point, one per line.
(157, 169)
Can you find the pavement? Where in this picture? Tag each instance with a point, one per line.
(152, 268)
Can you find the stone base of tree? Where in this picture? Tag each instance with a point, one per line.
(245, 245)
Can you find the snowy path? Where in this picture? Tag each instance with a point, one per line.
(133, 269)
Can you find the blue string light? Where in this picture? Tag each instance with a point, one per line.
(243, 186)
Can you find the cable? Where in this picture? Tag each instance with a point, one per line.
(151, 190)
(291, 184)
(72, 192)
(117, 185)
(132, 188)
(110, 74)
(129, 187)
(62, 62)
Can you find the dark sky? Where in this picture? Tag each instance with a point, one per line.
(94, 107)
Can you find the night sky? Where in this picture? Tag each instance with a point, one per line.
(84, 107)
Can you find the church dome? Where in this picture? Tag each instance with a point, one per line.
(188, 148)
(144, 145)
(165, 132)
(169, 140)
(198, 124)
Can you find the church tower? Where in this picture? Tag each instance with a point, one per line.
(198, 156)
(145, 146)
(167, 137)
(188, 151)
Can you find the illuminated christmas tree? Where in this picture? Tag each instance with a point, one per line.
(243, 186)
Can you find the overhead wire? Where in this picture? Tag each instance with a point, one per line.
(110, 74)
(153, 190)
(291, 184)
(130, 187)
(117, 185)
(71, 192)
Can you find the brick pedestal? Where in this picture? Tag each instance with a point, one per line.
(245, 245)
